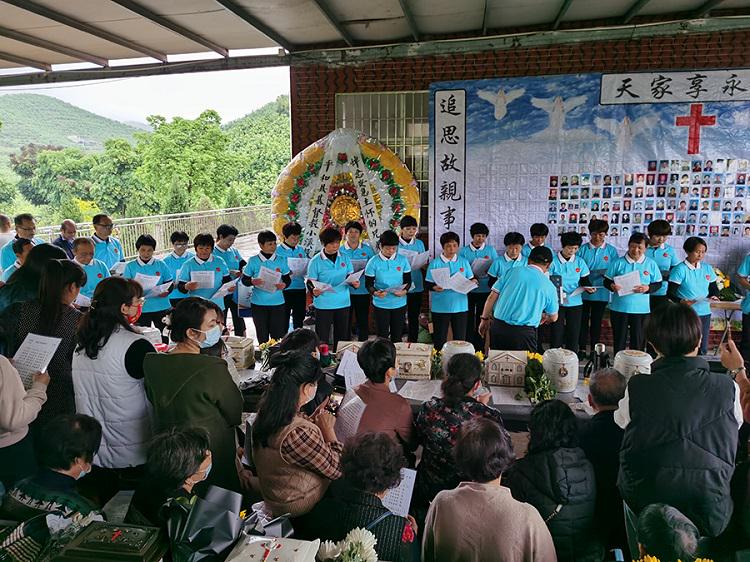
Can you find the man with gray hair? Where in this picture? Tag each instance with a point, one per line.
(6, 232)
(600, 438)
(67, 235)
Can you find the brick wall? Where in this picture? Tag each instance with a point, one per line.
(313, 88)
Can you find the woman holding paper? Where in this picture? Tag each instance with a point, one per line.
(630, 279)
(329, 276)
(693, 282)
(204, 275)
(359, 254)
(411, 248)
(268, 273)
(156, 280)
(481, 256)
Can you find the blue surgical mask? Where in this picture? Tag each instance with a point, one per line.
(212, 337)
(83, 473)
(208, 470)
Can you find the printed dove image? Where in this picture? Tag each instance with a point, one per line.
(500, 100)
(557, 109)
(626, 130)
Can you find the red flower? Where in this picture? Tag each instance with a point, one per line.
(646, 273)
(408, 534)
(100, 276)
(295, 198)
(343, 265)
(218, 269)
(461, 270)
(398, 268)
(364, 254)
(157, 273)
(486, 257)
(708, 278)
(278, 269)
(301, 255)
(578, 270)
(300, 182)
(342, 157)
(666, 255)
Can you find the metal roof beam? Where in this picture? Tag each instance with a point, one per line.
(50, 14)
(23, 61)
(485, 15)
(633, 10)
(254, 22)
(705, 8)
(561, 14)
(50, 46)
(172, 26)
(334, 21)
(410, 19)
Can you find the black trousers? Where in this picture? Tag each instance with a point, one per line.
(360, 309)
(705, 333)
(270, 322)
(622, 323)
(413, 310)
(336, 317)
(296, 305)
(745, 343)
(476, 306)
(155, 318)
(592, 315)
(440, 323)
(512, 338)
(389, 322)
(237, 321)
(567, 330)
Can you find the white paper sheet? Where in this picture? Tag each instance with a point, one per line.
(580, 290)
(352, 277)
(353, 374)
(244, 295)
(420, 391)
(480, 267)
(298, 266)
(398, 499)
(461, 284)
(118, 268)
(627, 282)
(270, 278)
(359, 265)
(419, 260)
(224, 289)
(148, 282)
(34, 355)
(205, 279)
(325, 287)
(506, 395)
(82, 300)
(395, 289)
(349, 415)
(158, 290)
(442, 277)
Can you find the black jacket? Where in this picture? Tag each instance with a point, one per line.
(561, 480)
(679, 447)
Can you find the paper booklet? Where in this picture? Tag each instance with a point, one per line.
(628, 282)
(270, 278)
(359, 265)
(418, 261)
(461, 284)
(148, 282)
(396, 289)
(480, 267)
(34, 356)
(325, 287)
(82, 301)
(205, 279)
(158, 289)
(398, 499)
(348, 416)
(352, 277)
(224, 289)
(118, 268)
(353, 374)
(298, 266)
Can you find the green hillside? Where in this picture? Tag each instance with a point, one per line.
(32, 118)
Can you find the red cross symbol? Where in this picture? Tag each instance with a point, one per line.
(695, 121)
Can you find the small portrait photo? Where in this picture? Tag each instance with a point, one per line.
(746, 232)
(639, 191)
(663, 165)
(650, 204)
(552, 207)
(741, 179)
(553, 181)
(628, 192)
(595, 206)
(575, 192)
(573, 180)
(563, 218)
(705, 205)
(695, 191)
(684, 189)
(708, 166)
(671, 204)
(638, 205)
(697, 166)
(660, 205)
(636, 228)
(661, 179)
(713, 231)
(681, 230)
(725, 232)
(706, 192)
(584, 193)
(582, 219)
(596, 179)
(736, 231)
(697, 179)
(650, 179)
(684, 179)
(703, 231)
(704, 218)
(563, 207)
(628, 179)
(640, 179)
(553, 194)
(729, 191)
(626, 218)
(674, 179)
(585, 179)
(572, 218)
(742, 165)
(707, 179)
(552, 218)
(617, 191)
(649, 191)
(727, 206)
(614, 232)
(637, 218)
(692, 218)
(717, 191)
(720, 166)
(596, 192)
(605, 206)
(616, 206)
(585, 205)
(625, 231)
(608, 179)
(682, 206)
(674, 166)
(739, 191)
(563, 180)
(648, 217)
(617, 179)
(615, 218)
(652, 165)
(738, 218)
(726, 218)
(606, 192)
(731, 164)
(669, 217)
(693, 205)
(729, 179)
(605, 217)
(564, 193)
(716, 205)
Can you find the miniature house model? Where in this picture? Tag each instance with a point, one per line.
(506, 368)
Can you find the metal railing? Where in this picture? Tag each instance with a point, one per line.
(245, 219)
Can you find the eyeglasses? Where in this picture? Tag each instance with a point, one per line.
(138, 302)
(110, 226)
(26, 228)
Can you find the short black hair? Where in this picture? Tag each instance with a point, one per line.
(265, 236)
(67, 437)
(479, 228)
(145, 240)
(372, 462)
(598, 225)
(329, 236)
(407, 221)
(188, 313)
(375, 357)
(607, 387)
(637, 238)
(355, 225)
(514, 238)
(541, 255)
(674, 329)
(463, 372)
(203, 239)
(483, 450)
(291, 229)
(659, 228)
(446, 237)
(225, 230)
(570, 239)
(175, 455)
(666, 534)
(18, 220)
(539, 229)
(19, 244)
(388, 238)
(552, 426)
(96, 219)
(692, 243)
(179, 236)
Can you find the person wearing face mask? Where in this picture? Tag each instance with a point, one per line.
(188, 388)
(108, 377)
(66, 446)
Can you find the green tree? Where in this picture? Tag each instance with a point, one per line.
(60, 174)
(24, 165)
(233, 197)
(114, 185)
(177, 200)
(8, 189)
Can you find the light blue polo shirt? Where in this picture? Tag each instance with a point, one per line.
(174, 263)
(324, 270)
(637, 303)
(571, 272)
(417, 246)
(8, 257)
(231, 257)
(525, 293)
(387, 273)
(744, 271)
(484, 252)
(155, 268)
(215, 264)
(288, 252)
(10, 271)
(598, 261)
(503, 264)
(449, 301)
(694, 282)
(526, 249)
(359, 258)
(110, 251)
(96, 271)
(665, 258)
(260, 296)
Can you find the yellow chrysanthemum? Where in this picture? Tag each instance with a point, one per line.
(480, 355)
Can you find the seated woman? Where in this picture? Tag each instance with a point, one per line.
(480, 520)
(665, 534)
(66, 445)
(296, 457)
(557, 479)
(438, 422)
(177, 460)
(187, 388)
(371, 464)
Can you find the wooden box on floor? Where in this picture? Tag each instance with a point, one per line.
(343, 346)
(506, 368)
(242, 351)
(414, 360)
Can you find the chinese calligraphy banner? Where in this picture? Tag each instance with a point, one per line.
(627, 148)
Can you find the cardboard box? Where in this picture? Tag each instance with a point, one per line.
(241, 351)
(414, 360)
(506, 368)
